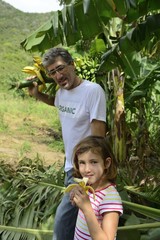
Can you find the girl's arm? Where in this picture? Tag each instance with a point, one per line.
(109, 225)
(110, 219)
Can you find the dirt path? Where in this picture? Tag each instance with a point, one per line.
(15, 147)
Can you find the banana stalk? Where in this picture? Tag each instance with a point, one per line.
(28, 83)
(36, 70)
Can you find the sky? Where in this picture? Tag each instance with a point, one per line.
(38, 6)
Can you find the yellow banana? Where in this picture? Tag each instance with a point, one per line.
(35, 71)
(37, 59)
(82, 183)
(38, 63)
(29, 69)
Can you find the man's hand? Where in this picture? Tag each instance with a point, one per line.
(33, 90)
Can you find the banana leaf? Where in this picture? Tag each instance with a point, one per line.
(144, 210)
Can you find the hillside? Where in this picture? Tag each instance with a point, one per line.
(27, 128)
(15, 26)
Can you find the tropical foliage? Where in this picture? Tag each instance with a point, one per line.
(30, 193)
(125, 37)
(29, 196)
(130, 33)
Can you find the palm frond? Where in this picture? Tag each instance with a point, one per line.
(30, 198)
(152, 195)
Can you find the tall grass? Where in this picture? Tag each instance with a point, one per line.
(19, 107)
(27, 116)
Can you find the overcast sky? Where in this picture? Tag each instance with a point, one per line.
(35, 5)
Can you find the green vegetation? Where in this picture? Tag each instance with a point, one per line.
(29, 197)
(21, 116)
(15, 26)
(131, 83)
(26, 116)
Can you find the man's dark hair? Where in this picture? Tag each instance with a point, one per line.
(50, 56)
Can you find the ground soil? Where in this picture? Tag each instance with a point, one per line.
(16, 145)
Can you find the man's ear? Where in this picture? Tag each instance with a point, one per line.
(73, 65)
(108, 162)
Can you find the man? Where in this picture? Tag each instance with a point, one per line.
(82, 112)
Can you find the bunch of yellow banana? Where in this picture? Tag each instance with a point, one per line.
(82, 183)
(36, 71)
(38, 63)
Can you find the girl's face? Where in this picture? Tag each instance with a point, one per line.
(92, 166)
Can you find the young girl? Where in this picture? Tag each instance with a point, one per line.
(97, 217)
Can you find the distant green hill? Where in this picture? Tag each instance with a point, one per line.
(15, 26)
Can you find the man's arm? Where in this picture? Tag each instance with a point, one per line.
(33, 91)
(98, 128)
(45, 98)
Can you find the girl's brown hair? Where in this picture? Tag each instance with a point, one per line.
(100, 146)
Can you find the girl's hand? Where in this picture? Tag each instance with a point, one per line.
(71, 194)
(80, 198)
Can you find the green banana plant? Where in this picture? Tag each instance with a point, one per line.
(126, 30)
(128, 33)
(68, 26)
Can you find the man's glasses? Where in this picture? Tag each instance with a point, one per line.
(60, 69)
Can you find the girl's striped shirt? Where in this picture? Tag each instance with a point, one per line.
(107, 200)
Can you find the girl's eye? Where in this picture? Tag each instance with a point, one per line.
(93, 162)
(80, 162)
